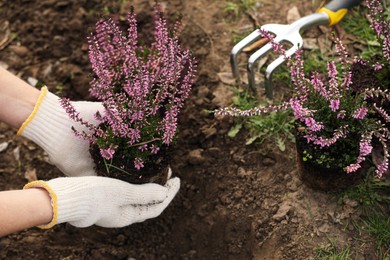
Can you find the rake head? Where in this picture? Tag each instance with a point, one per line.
(283, 34)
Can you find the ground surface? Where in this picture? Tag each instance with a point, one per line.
(236, 201)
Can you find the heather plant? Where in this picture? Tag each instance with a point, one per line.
(343, 123)
(142, 89)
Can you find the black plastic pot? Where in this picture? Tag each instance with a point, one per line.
(154, 171)
(322, 178)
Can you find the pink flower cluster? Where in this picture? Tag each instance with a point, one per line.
(380, 25)
(328, 109)
(141, 88)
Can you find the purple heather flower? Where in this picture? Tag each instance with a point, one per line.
(383, 138)
(322, 142)
(378, 66)
(143, 147)
(170, 125)
(360, 113)
(382, 168)
(305, 116)
(107, 153)
(335, 104)
(382, 112)
(332, 71)
(341, 114)
(365, 148)
(380, 24)
(352, 167)
(138, 163)
(154, 149)
(318, 85)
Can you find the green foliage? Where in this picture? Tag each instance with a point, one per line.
(236, 38)
(373, 196)
(59, 89)
(314, 61)
(372, 192)
(306, 156)
(358, 25)
(275, 126)
(238, 7)
(106, 10)
(331, 251)
(282, 76)
(378, 225)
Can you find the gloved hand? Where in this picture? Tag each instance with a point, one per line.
(106, 202)
(50, 127)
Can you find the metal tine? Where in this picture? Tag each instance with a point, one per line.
(276, 29)
(284, 33)
(297, 44)
(255, 35)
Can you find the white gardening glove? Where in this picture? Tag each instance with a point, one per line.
(106, 202)
(50, 127)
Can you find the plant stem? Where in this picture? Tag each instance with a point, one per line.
(146, 142)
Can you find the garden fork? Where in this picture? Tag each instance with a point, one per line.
(330, 14)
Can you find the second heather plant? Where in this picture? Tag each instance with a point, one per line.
(142, 90)
(342, 121)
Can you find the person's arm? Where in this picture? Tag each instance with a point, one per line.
(82, 202)
(21, 209)
(38, 116)
(17, 99)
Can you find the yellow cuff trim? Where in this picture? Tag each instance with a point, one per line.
(34, 112)
(334, 17)
(53, 196)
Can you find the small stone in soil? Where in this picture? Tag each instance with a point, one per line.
(268, 161)
(195, 157)
(282, 212)
(3, 146)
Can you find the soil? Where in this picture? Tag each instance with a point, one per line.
(236, 201)
(155, 169)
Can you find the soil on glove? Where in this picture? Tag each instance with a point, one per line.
(236, 201)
